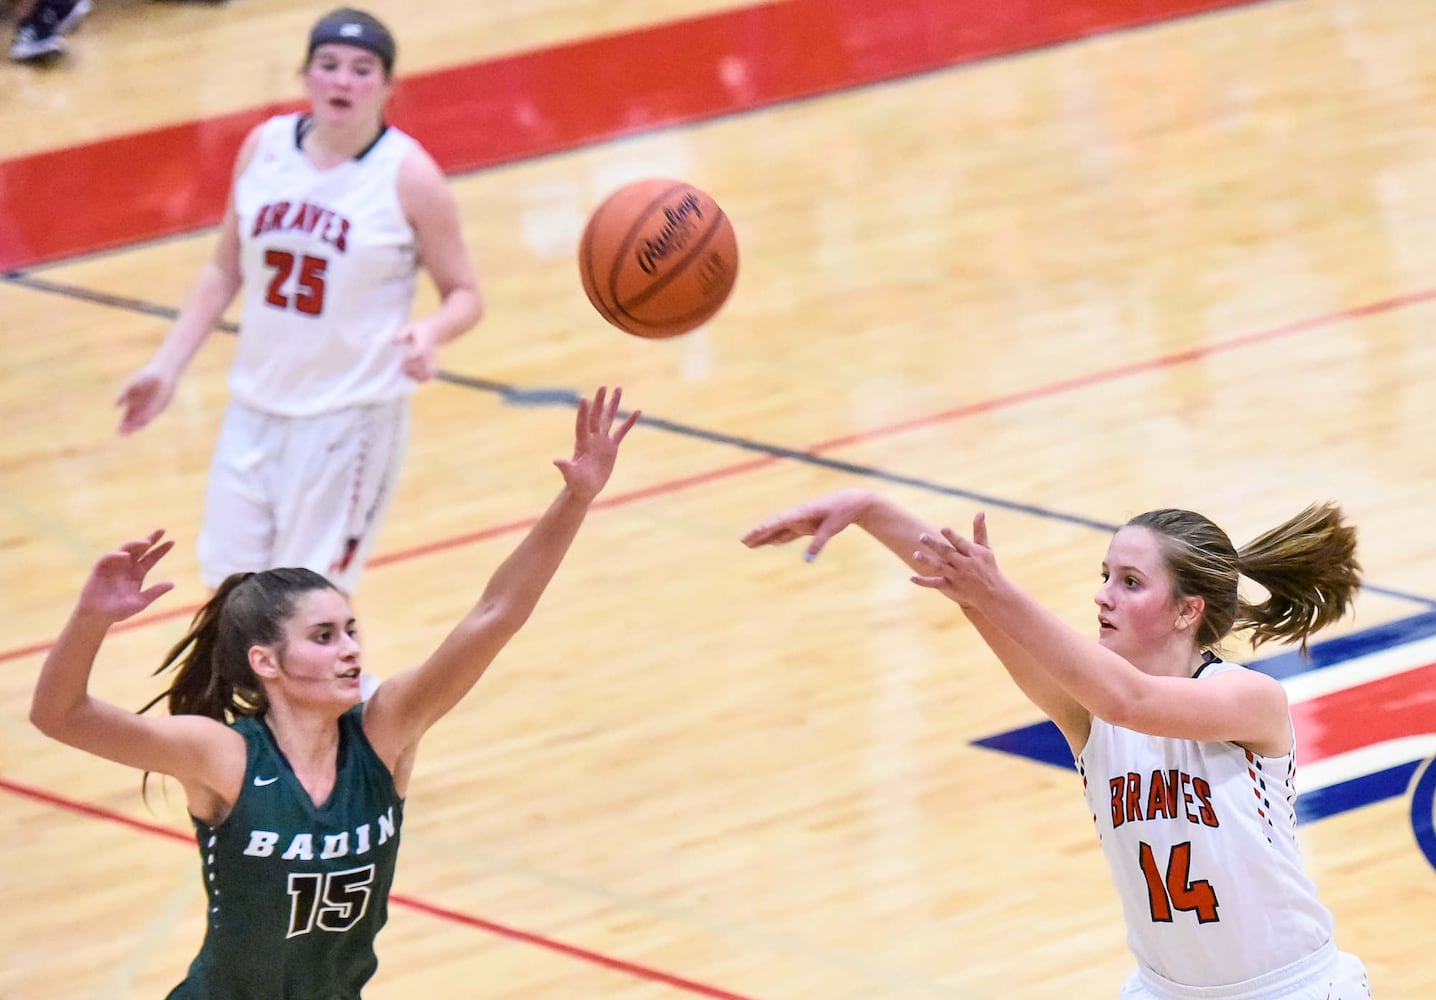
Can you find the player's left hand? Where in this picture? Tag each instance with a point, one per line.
(595, 443)
(421, 351)
(963, 569)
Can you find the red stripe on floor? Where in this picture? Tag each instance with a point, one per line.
(399, 899)
(120, 190)
(1388, 708)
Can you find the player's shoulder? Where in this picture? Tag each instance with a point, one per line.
(288, 126)
(247, 727)
(272, 130)
(1228, 671)
(422, 187)
(416, 164)
(1239, 674)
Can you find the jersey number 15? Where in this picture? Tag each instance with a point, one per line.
(331, 901)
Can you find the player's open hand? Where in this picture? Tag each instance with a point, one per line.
(963, 569)
(821, 518)
(595, 443)
(143, 397)
(116, 587)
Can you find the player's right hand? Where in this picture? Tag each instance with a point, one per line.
(821, 519)
(143, 398)
(116, 587)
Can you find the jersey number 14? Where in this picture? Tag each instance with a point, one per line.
(1174, 890)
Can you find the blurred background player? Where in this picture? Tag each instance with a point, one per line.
(331, 216)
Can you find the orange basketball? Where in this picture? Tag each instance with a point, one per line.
(657, 258)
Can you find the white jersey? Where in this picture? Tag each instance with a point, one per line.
(329, 267)
(1201, 840)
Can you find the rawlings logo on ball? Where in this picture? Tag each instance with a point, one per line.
(673, 236)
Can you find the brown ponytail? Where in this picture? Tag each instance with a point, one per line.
(1308, 567)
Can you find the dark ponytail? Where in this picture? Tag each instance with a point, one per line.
(212, 675)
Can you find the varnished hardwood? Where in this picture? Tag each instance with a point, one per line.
(730, 766)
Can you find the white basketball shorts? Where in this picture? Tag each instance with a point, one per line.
(1327, 974)
(301, 491)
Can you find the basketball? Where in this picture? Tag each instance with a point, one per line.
(658, 258)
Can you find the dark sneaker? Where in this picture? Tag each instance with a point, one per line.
(32, 42)
(42, 33)
(70, 20)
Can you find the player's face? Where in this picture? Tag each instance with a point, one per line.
(320, 658)
(1136, 611)
(346, 84)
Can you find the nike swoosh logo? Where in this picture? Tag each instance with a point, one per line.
(261, 782)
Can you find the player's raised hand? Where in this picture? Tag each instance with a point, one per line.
(964, 569)
(116, 588)
(595, 442)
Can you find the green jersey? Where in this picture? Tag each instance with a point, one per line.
(297, 891)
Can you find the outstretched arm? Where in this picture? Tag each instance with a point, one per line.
(902, 533)
(407, 704)
(205, 755)
(1243, 707)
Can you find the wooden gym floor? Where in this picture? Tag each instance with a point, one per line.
(1064, 264)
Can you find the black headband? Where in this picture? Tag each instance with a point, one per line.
(347, 26)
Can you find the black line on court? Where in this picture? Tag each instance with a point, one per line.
(1399, 594)
(565, 397)
(98, 298)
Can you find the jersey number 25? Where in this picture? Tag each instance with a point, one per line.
(307, 292)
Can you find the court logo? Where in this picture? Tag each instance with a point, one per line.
(1423, 809)
(1364, 708)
